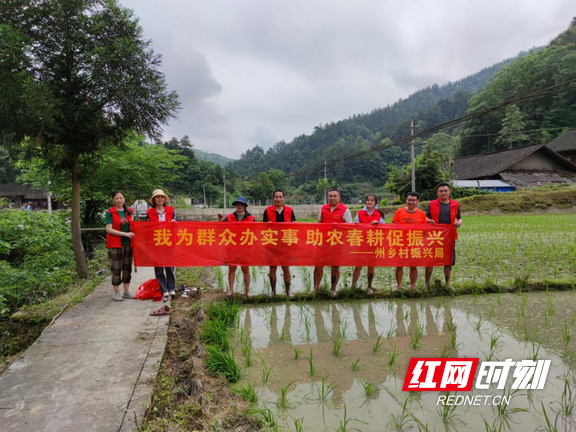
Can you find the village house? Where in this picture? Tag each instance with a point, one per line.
(522, 167)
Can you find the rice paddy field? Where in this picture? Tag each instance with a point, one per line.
(341, 365)
(500, 250)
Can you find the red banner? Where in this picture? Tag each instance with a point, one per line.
(195, 244)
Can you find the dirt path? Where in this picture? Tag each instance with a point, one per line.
(91, 371)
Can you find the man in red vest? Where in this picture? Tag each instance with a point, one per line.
(279, 213)
(333, 212)
(444, 211)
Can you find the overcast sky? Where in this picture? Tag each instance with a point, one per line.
(252, 72)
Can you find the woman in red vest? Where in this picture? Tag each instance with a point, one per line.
(368, 215)
(160, 212)
(240, 215)
(118, 222)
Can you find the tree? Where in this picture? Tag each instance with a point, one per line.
(137, 168)
(430, 170)
(77, 76)
(511, 134)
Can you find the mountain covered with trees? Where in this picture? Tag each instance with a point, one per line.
(362, 152)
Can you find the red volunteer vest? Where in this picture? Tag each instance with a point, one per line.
(365, 218)
(153, 214)
(232, 218)
(271, 213)
(336, 216)
(435, 212)
(113, 241)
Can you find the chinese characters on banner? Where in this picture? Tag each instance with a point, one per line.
(193, 244)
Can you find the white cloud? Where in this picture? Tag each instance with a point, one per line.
(255, 71)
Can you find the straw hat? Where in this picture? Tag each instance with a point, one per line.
(156, 193)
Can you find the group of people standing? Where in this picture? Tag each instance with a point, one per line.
(119, 237)
(118, 221)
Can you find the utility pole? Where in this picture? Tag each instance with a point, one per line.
(49, 197)
(224, 177)
(412, 154)
(325, 182)
(204, 189)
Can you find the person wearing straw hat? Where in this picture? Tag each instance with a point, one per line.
(160, 212)
(240, 215)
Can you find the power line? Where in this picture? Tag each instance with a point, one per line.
(550, 90)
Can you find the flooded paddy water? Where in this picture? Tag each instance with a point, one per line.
(334, 362)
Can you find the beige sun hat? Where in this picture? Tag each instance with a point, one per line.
(156, 193)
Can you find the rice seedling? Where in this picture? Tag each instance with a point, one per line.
(343, 427)
(265, 371)
(324, 390)
(452, 340)
(222, 363)
(297, 352)
(503, 410)
(248, 393)
(549, 427)
(478, 324)
(337, 344)
(266, 416)
(247, 351)
(215, 332)
(377, 344)
(392, 355)
(499, 298)
(451, 325)
(356, 364)
(299, 424)
(416, 337)
(568, 400)
(368, 387)
(283, 402)
(567, 353)
(224, 311)
(446, 352)
(535, 351)
(496, 425)
(550, 308)
(399, 421)
(283, 333)
(254, 272)
(391, 331)
(448, 412)
(312, 368)
(491, 312)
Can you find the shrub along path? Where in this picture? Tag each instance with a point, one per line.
(92, 370)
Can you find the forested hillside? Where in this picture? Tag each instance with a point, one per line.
(538, 119)
(430, 106)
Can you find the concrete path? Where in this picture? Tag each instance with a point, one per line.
(92, 370)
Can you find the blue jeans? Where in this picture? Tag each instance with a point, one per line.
(166, 277)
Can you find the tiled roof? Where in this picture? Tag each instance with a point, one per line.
(564, 142)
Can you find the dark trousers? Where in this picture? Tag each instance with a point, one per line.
(166, 276)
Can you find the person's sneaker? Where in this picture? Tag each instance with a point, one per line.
(128, 295)
(165, 297)
(186, 293)
(117, 297)
(172, 293)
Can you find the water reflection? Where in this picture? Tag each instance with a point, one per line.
(381, 337)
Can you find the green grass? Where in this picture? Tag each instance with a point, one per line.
(222, 363)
